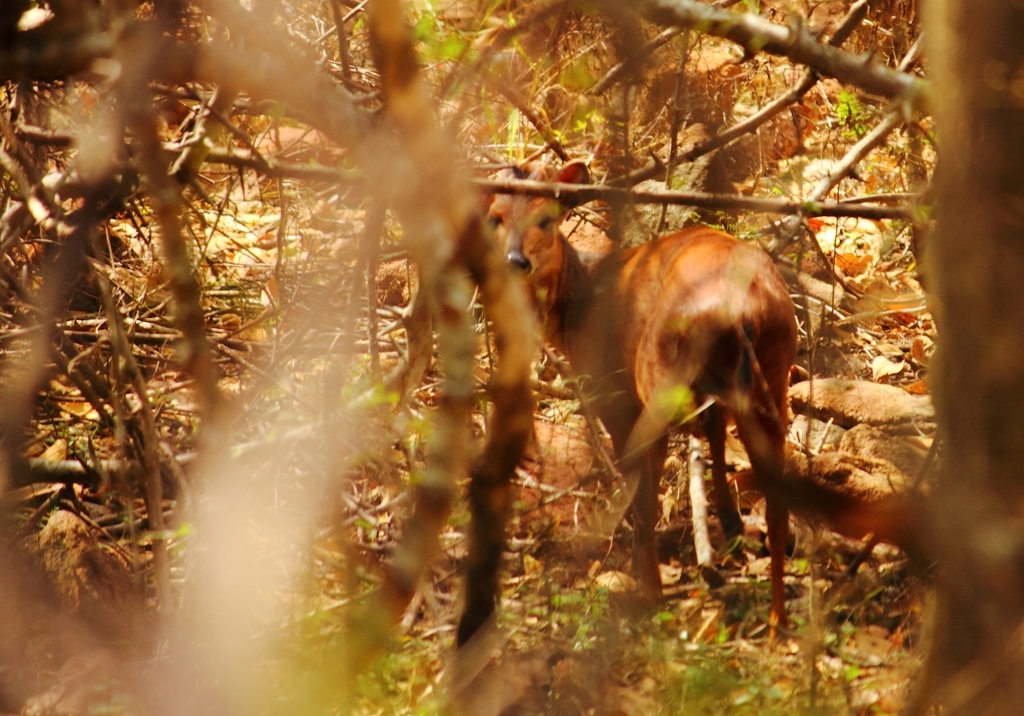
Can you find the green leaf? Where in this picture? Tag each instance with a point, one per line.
(451, 47)
(512, 144)
(424, 28)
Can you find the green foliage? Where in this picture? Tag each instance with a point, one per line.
(711, 680)
(579, 75)
(399, 683)
(578, 614)
(380, 396)
(438, 41)
(852, 115)
(587, 119)
(106, 697)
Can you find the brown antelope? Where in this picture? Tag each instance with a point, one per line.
(694, 318)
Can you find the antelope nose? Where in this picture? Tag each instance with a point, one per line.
(519, 261)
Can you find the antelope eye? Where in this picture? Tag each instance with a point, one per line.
(494, 221)
(545, 223)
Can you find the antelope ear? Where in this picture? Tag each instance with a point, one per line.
(574, 172)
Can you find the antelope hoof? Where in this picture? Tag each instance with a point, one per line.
(732, 524)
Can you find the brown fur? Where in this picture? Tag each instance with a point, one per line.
(697, 309)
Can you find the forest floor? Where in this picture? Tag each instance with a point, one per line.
(282, 265)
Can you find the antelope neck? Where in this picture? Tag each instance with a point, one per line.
(574, 295)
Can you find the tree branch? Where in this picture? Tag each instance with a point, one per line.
(586, 192)
(755, 34)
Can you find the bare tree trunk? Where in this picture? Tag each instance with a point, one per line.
(977, 262)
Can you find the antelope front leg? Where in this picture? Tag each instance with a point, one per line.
(645, 520)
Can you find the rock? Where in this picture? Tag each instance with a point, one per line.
(815, 434)
(560, 458)
(863, 479)
(91, 682)
(92, 579)
(855, 496)
(849, 402)
(870, 442)
(642, 221)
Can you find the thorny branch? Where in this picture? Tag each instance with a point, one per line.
(853, 18)
(847, 164)
(703, 200)
(274, 168)
(756, 34)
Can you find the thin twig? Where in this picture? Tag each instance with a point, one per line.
(618, 71)
(587, 192)
(148, 436)
(339, 24)
(597, 438)
(372, 235)
(677, 117)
